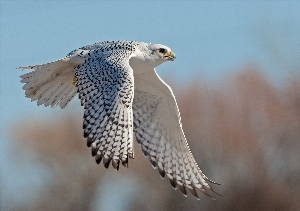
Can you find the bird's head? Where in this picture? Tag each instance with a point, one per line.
(161, 52)
(149, 56)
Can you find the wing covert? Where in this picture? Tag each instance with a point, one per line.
(105, 85)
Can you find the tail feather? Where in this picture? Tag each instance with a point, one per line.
(67, 97)
(51, 83)
(52, 98)
(55, 99)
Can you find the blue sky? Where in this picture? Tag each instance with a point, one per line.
(211, 39)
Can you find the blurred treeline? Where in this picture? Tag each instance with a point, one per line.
(244, 132)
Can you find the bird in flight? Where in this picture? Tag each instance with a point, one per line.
(123, 99)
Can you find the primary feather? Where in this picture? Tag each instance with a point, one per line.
(122, 96)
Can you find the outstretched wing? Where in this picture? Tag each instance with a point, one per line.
(105, 87)
(158, 129)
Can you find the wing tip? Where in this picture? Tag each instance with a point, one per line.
(211, 181)
(115, 164)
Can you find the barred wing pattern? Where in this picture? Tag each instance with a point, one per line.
(158, 129)
(105, 85)
(121, 101)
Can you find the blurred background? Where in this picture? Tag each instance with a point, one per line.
(236, 79)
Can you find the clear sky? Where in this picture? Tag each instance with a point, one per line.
(211, 39)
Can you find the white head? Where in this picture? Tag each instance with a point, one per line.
(161, 52)
(148, 56)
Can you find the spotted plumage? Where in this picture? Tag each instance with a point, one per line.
(123, 98)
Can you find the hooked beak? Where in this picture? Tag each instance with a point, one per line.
(170, 56)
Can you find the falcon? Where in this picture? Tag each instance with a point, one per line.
(123, 99)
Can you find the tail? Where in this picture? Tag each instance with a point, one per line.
(51, 83)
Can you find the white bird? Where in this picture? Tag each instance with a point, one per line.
(122, 97)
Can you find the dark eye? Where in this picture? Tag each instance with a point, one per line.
(162, 50)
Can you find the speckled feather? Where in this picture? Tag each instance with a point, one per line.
(122, 97)
(105, 86)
